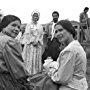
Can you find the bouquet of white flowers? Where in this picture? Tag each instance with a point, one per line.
(50, 65)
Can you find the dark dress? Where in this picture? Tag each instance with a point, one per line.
(52, 50)
(13, 75)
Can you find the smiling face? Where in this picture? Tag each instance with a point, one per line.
(35, 17)
(12, 29)
(55, 17)
(62, 34)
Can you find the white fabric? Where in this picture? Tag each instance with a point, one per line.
(53, 30)
(50, 66)
(78, 84)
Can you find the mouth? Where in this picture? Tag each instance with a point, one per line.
(60, 36)
(15, 33)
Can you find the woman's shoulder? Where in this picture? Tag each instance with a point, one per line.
(4, 39)
(12, 41)
(72, 47)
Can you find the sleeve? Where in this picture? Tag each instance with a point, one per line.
(41, 36)
(14, 61)
(66, 67)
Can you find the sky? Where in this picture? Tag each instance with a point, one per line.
(68, 9)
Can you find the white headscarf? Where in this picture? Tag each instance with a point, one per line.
(35, 11)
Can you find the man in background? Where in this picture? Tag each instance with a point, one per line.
(84, 23)
(50, 26)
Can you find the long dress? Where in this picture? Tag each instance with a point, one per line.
(12, 70)
(32, 52)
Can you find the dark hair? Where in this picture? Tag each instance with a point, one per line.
(7, 20)
(55, 12)
(86, 8)
(66, 24)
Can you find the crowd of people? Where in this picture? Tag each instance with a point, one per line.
(42, 57)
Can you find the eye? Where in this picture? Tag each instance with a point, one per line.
(14, 25)
(58, 30)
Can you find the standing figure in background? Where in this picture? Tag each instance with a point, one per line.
(32, 51)
(84, 24)
(50, 26)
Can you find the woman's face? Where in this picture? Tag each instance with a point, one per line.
(13, 29)
(61, 34)
(35, 17)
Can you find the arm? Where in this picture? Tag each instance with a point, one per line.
(65, 71)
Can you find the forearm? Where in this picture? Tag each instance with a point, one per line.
(65, 71)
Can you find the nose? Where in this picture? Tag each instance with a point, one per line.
(17, 29)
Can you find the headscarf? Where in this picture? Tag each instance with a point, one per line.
(7, 20)
(35, 11)
(66, 24)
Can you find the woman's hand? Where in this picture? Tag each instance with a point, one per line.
(51, 71)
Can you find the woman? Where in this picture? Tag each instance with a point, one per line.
(32, 52)
(70, 73)
(13, 74)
